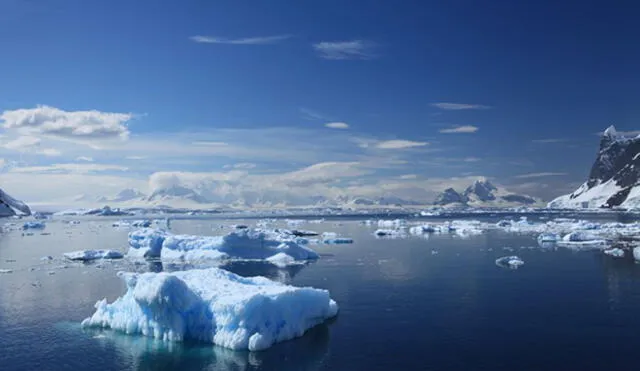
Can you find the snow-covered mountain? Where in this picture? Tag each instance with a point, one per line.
(483, 193)
(9, 206)
(614, 180)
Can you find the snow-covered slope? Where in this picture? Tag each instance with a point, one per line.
(9, 206)
(614, 180)
(483, 193)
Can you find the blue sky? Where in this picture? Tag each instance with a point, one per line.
(427, 93)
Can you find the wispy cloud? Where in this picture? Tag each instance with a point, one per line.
(399, 144)
(471, 159)
(69, 168)
(341, 50)
(240, 165)
(30, 144)
(458, 106)
(465, 129)
(408, 176)
(258, 40)
(337, 125)
(312, 115)
(538, 175)
(548, 140)
(84, 158)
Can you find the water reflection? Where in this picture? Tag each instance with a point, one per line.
(308, 352)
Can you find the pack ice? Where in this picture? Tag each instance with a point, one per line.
(240, 244)
(214, 306)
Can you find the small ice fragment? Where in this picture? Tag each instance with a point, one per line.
(512, 262)
(281, 260)
(6, 271)
(615, 252)
(33, 225)
(46, 258)
(337, 241)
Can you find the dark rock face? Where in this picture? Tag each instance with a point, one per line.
(526, 200)
(618, 160)
(450, 196)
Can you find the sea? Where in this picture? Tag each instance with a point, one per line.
(431, 302)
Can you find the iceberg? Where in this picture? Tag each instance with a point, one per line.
(337, 241)
(213, 306)
(88, 255)
(240, 244)
(389, 233)
(34, 225)
(391, 223)
(615, 252)
(547, 238)
(636, 253)
(512, 262)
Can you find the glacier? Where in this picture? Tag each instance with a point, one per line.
(245, 244)
(213, 306)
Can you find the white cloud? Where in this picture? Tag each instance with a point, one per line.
(240, 165)
(458, 106)
(135, 157)
(408, 176)
(337, 125)
(471, 159)
(51, 152)
(538, 175)
(84, 158)
(80, 125)
(23, 143)
(69, 168)
(549, 140)
(209, 143)
(340, 50)
(466, 129)
(260, 40)
(399, 144)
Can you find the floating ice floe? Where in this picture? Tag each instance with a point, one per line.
(303, 233)
(213, 306)
(243, 244)
(141, 223)
(547, 238)
(73, 222)
(6, 271)
(392, 223)
(509, 262)
(389, 233)
(636, 253)
(34, 225)
(337, 241)
(422, 229)
(87, 255)
(615, 252)
(239, 226)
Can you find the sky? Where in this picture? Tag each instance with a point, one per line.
(288, 100)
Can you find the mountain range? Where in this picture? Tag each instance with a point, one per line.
(483, 193)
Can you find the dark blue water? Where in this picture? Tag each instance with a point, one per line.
(401, 306)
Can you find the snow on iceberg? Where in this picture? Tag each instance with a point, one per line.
(512, 262)
(214, 306)
(34, 225)
(239, 244)
(87, 255)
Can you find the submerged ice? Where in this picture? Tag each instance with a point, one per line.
(214, 306)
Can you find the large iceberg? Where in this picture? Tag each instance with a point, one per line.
(215, 306)
(239, 244)
(9, 206)
(88, 255)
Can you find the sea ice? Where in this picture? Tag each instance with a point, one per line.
(33, 225)
(87, 255)
(239, 244)
(214, 306)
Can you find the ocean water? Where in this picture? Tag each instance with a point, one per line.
(436, 303)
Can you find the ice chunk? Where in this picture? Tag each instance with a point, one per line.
(579, 236)
(389, 232)
(87, 255)
(239, 226)
(282, 260)
(512, 262)
(214, 306)
(391, 223)
(337, 241)
(615, 252)
(239, 244)
(421, 229)
(547, 238)
(33, 225)
(141, 223)
(303, 233)
(636, 253)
